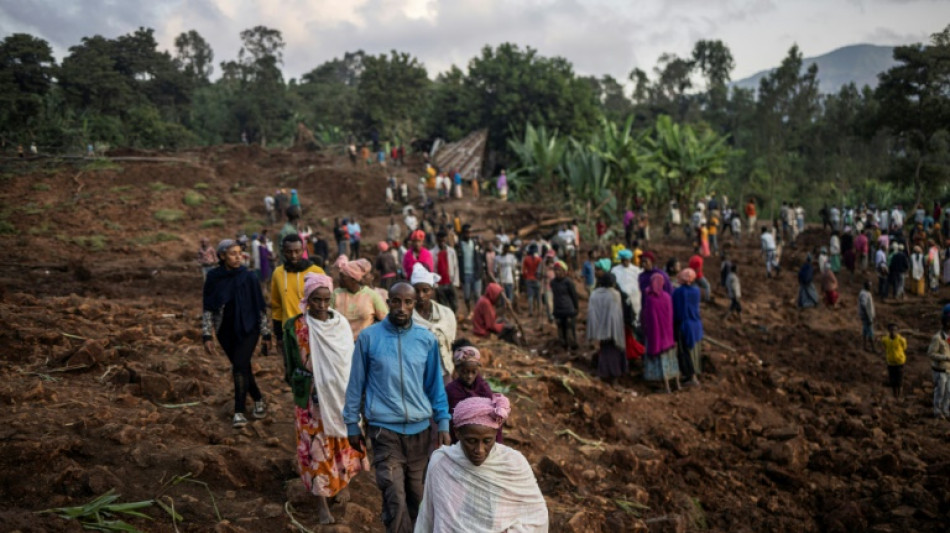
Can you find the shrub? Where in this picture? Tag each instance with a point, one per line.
(92, 242)
(201, 186)
(213, 223)
(193, 198)
(158, 186)
(169, 215)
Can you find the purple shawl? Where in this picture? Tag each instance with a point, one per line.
(657, 318)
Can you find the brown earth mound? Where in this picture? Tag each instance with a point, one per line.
(104, 384)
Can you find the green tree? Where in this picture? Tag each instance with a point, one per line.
(26, 70)
(451, 114)
(254, 89)
(391, 93)
(194, 57)
(514, 87)
(915, 110)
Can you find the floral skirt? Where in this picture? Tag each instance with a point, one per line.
(662, 366)
(326, 464)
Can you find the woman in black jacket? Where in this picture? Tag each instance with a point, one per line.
(565, 305)
(235, 313)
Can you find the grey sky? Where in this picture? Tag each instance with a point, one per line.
(597, 36)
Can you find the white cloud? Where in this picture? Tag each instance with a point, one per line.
(597, 36)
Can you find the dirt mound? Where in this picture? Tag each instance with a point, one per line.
(105, 384)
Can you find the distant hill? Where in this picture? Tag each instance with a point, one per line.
(859, 63)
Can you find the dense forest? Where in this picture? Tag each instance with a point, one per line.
(669, 134)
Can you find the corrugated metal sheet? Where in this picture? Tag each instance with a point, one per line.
(467, 155)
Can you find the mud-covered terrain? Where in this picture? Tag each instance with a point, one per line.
(104, 384)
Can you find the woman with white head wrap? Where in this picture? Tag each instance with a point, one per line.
(437, 318)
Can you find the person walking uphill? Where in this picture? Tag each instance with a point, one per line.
(565, 306)
(479, 485)
(437, 318)
(360, 304)
(318, 351)
(234, 310)
(287, 284)
(939, 354)
(470, 383)
(396, 386)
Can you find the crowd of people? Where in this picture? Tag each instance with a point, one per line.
(373, 354)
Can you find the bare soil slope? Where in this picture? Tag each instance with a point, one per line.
(104, 384)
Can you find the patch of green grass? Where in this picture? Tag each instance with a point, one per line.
(202, 186)
(114, 226)
(102, 164)
(120, 188)
(6, 228)
(40, 187)
(158, 186)
(193, 198)
(213, 223)
(154, 238)
(219, 210)
(169, 215)
(33, 208)
(93, 242)
(44, 228)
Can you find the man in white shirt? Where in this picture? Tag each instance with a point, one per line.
(412, 223)
(627, 274)
(897, 218)
(768, 250)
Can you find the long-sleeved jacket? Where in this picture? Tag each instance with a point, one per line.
(939, 353)
(396, 380)
(565, 297)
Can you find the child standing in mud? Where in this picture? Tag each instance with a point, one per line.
(894, 347)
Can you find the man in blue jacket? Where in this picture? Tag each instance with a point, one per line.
(396, 384)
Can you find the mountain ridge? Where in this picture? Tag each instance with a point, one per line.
(857, 63)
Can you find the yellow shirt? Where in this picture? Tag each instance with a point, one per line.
(713, 226)
(615, 250)
(894, 348)
(286, 291)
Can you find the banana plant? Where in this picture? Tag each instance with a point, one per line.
(686, 160)
(540, 154)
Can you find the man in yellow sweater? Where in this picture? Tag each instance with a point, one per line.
(286, 287)
(894, 348)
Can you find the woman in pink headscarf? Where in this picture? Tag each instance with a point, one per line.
(318, 350)
(478, 485)
(657, 320)
(359, 303)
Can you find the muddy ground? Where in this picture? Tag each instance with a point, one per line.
(104, 384)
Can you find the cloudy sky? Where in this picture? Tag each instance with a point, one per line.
(597, 36)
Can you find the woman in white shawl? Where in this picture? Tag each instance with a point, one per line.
(478, 485)
(318, 351)
(605, 325)
(437, 318)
